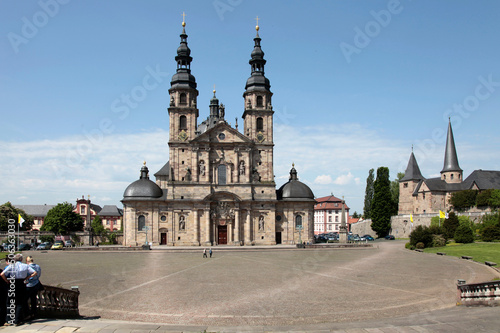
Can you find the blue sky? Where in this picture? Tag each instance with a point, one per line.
(355, 85)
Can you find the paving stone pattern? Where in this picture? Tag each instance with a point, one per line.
(264, 290)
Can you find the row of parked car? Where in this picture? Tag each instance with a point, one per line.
(58, 245)
(334, 236)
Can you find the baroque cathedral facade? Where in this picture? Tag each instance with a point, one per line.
(218, 185)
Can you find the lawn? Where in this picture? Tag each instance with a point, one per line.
(481, 252)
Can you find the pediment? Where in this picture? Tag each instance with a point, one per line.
(222, 133)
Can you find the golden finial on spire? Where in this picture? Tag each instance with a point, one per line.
(293, 165)
(214, 89)
(144, 163)
(257, 26)
(183, 21)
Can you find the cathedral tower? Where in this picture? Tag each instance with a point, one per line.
(258, 114)
(183, 112)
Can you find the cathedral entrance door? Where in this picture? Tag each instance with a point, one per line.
(163, 238)
(222, 230)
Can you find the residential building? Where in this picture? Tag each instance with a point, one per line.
(328, 214)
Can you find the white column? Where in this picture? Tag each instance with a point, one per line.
(207, 225)
(196, 227)
(237, 226)
(247, 229)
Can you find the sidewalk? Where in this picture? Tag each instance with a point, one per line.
(456, 319)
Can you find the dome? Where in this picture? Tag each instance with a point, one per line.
(143, 188)
(295, 190)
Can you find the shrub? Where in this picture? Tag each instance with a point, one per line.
(420, 245)
(421, 235)
(438, 241)
(409, 246)
(464, 234)
(491, 233)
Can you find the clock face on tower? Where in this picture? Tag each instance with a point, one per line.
(260, 137)
(183, 135)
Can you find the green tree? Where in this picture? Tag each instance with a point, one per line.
(494, 200)
(97, 227)
(355, 215)
(382, 208)
(367, 209)
(463, 200)
(421, 235)
(464, 234)
(62, 220)
(395, 192)
(7, 211)
(450, 225)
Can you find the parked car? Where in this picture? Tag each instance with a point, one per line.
(368, 238)
(69, 243)
(44, 246)
(58, 245)
(24, 247)
(390, 237)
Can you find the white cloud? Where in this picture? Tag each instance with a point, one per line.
(323, 179)
(344, 179)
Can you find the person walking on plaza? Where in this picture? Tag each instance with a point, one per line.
(205, 253)
(33, 287)
(19, 272)
(210, 251)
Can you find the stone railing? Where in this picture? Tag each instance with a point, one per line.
(486, 293)
(58, 302)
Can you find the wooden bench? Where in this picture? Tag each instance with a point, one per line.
(419, 250)
(441, 253)
(490, 263)
(467, 257)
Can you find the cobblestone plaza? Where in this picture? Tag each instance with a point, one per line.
(276, 286)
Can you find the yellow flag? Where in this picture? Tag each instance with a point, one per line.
(21, 220)
(442, 215)
(411, 217)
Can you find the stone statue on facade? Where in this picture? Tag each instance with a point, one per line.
(202, 168)
(182, 223)
(242, 168)
(261, 223)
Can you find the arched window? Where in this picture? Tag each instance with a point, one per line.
(260, 101)
(141, 223)
(298, 222)
(82, 210)
(451, 176)
(183, 123)
(260, 124)
(221, 171)
(183, 99)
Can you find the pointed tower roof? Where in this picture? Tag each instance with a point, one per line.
(412, 170)
(257, 81)
(450, 154)
(183, 78)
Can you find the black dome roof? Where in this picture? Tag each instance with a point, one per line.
(294, 190)
(143, 188)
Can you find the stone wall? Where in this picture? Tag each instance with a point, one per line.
(363, 228)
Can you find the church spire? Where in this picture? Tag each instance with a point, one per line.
(257, 80)
(450, 154)
(183, 78)
(412, 170)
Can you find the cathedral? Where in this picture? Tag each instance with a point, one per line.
(217, 186)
